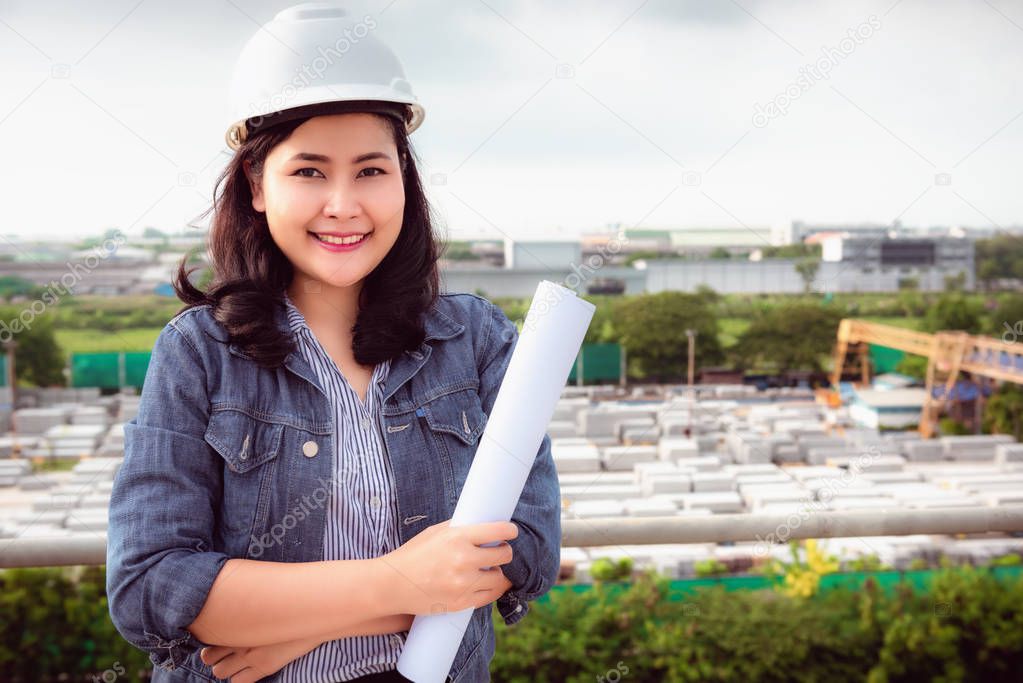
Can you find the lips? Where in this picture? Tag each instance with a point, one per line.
(340, 241)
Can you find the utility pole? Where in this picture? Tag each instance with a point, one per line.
(691, 334)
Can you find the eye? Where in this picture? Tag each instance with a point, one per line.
(300, 173)
(374, 168)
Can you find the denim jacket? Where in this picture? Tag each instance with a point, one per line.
(221, 462)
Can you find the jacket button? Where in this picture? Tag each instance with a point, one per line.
(310, 448)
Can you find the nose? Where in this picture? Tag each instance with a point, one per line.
(342, 202)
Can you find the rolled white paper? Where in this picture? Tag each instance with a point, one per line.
(551, 336)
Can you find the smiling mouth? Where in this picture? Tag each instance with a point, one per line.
(341, 241)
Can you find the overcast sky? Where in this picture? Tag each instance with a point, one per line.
(112, 114)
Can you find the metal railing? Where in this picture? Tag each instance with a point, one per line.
(718, 528)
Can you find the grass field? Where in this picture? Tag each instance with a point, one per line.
(96, 341)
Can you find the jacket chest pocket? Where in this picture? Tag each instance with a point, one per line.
(456, 421)
(249, 447)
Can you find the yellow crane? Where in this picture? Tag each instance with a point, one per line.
(948, 353)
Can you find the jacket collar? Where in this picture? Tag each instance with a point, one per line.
(437, 324)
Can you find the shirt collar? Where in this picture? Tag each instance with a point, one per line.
(438, 325)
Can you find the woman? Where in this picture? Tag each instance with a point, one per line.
(308, 419)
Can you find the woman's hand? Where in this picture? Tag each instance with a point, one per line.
(443, 569)
(249, 664)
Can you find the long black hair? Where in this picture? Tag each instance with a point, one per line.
(251, 273)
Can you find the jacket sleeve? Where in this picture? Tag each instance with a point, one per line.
(160, 566)
(537, 549)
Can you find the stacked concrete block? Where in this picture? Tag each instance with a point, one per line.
(571, 456)
(675, 448)
(127, 408)
(1006, 453)
(660, 477)
(973, 448)
(759, 497)
(820, 454)
(74, 441)
(40, 482)
(600, 491)
(862, 503)
(591, 478)
(39, 420)
(112, 445)
(88, 472)
(904, 477)
(769, 479)
(715, 501)
(90, 415)
(923, 451)
(603, 420)
(567, 409)
(638, 431)
(713, 481)
(624, 458)
(13, 471)
(87, 520)
(561, 429)
(595, 509)
(786, 453)
(653, 506)
(872, 464)
(704, 463)
(745, 470)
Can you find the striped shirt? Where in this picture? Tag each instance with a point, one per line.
(362, 517)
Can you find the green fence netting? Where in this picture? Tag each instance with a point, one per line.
(597, 362)
(109, 370)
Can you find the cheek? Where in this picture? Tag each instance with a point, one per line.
(288, 205)
(388, 207)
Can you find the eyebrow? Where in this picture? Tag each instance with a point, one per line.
(309, 156)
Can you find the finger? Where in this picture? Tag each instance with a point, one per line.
(497, 555)
(214, 653)
(490, 580)
(485, 597)
(229, 666)
(249, 675)
(487, 532)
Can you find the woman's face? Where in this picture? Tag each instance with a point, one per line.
(335, 178)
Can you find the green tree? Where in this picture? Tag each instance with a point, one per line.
(807, 269)
(955, 311)
(999, 257)
(720, 253)
(12, 285)
(1007, 319)
(789, 337)
(1003, 413)
(39, 360)
(912, 365)
(653, 329)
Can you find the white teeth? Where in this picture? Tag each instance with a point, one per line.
(330, 239)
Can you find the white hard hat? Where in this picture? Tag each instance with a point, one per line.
(316, 58)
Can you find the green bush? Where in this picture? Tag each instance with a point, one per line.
(967, 626)
(56, 621)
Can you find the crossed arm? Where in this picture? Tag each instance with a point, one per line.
(249, 664)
